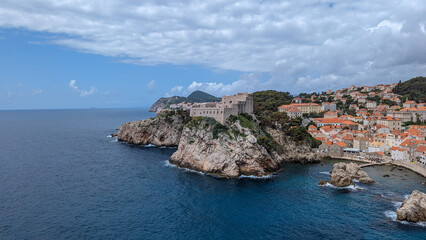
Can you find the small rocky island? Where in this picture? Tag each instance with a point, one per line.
(226, 146)
(413, 209)
(344, 174)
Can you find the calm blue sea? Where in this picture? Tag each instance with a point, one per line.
(61, 177)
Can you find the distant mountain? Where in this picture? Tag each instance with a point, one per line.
(197, 96)
(200, 96)
(413, 89)
(163, 102)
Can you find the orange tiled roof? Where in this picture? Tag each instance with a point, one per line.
(304, 104)
(341, 144)
(348, 137)
(421, 149)
(312, 127)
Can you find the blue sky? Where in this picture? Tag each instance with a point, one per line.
(111, 53)
(35, 74)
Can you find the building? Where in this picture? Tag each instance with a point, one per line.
(230, 105)
(291, 111)
(297, 100)
(305, 107)
(391, 122)
(400, 154)
(405, 115)
(377, 147)
(409, 104)
(371, 104)
(420, 150)
(361, 143)
(330, 114)
(328, 106)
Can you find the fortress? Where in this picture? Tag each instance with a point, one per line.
(230, 105)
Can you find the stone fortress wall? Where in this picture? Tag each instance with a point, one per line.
(221, 111)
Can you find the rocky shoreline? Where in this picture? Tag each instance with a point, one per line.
(419, 170)
(344, 174)
(240, 147)
(413, 209)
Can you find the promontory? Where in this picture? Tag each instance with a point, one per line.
(225, 139)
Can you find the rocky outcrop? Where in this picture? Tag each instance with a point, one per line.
(163, 130)
(413, 209)
(290, 151)
(342, 175)
(238, 148)
(225, 151)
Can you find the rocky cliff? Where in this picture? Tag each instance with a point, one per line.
(240, 147)
(413, 209)
(290, 151)
(163, 130)
(228, 151)
(342, 175)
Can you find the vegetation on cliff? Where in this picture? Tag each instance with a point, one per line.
(197, 96)
(163, 102)
(163, 130)
(413, 89)
(266, 102)
(200, 96)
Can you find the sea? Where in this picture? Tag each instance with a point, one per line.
(63, 177)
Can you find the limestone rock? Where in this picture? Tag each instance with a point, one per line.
(292, 152)
(413, 209)
(163, 130)
(227, 154)
(343, 174)
(205, 145)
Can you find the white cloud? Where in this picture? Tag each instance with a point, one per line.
(304, 45)
(82, 93)
(247, 83)
(395, 27)
(9, 94)
(36, 92)
(151, 86)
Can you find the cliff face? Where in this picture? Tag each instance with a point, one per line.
(238, 148)
(163, 130)
(225, 151)
(413, 209)
(290, 151)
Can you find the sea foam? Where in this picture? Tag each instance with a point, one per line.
(256, 177)
(392, 215)
(350, 187)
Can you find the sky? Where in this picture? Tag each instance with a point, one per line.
(128, 53)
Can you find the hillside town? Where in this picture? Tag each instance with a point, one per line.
(370, 123)
(367, 122)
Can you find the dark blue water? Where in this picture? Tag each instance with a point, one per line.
(62, 178)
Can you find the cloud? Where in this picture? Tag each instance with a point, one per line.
(246, 83)
(36, 92)
(151, 86)
(82, 93)
(9, 94)
(302, 45)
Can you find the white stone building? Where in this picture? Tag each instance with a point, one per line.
(230, 105)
